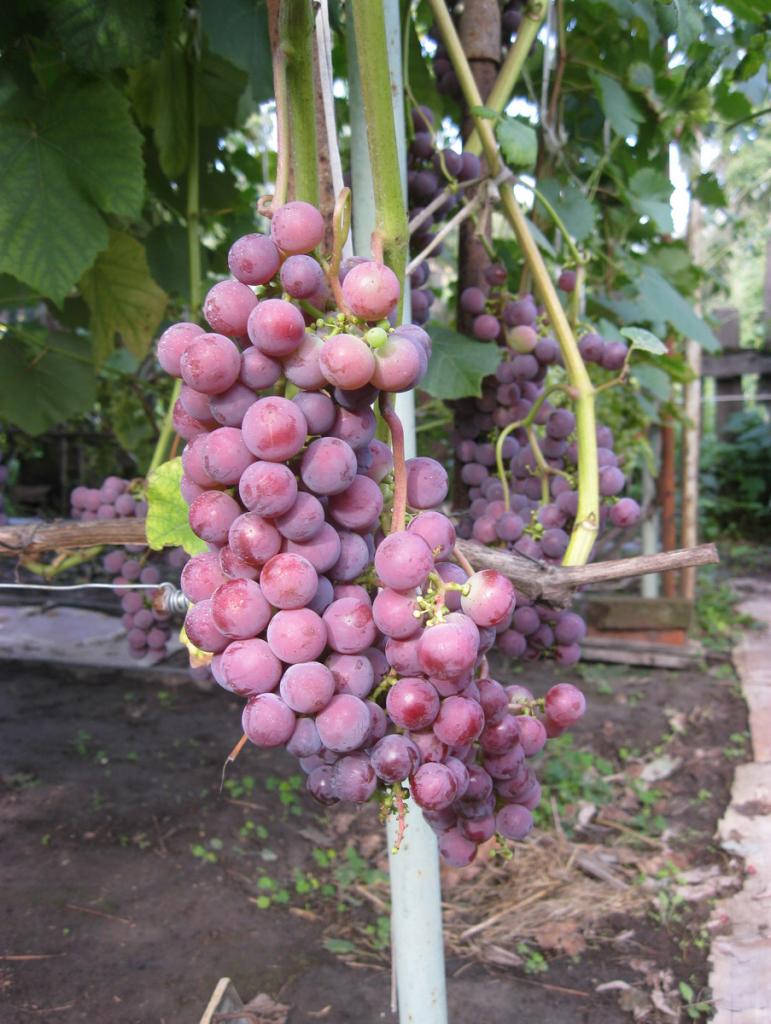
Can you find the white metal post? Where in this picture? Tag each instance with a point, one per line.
(417, 941)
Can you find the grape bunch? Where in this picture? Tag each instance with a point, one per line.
(429, 171)
(532, 510)
(363, 652)
(148, 627)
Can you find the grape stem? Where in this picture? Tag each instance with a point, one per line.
(462, 561)
(230, 759)
(394, 424)
(437, 201)
(296, 36)
(463, 214)
(341, 226)
(587, 519)
(282, 111)
(526, 422)
(401, 815)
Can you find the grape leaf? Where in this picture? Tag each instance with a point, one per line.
(169, 259)
(458, 365)
(617, 105)
(107, 35)
(659, 301)
(63, 158)
(571, 205)
(644, 340)
(518, 142)
(159, 91)
(123, 297)
(648, 194)
(45, 378)
(238, 31)
(167, 524)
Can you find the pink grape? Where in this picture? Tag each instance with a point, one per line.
(353, 673)
(532, 734)
(234, 567)
(436, 530)
(253, 539)
(449, 649)
(297, 635)
(397, 365)
(173, 343)
(212, 514)
(227, 307)
(354, 778)
(200, 628)
(230, 407)
(626, 512)
(346, 361)
(371, 290)
(321, 784)
(303, 520)
(211, 363)
(354, 426)
(201, 576)
(412, 703)
(276, 327)
(344, 723)
(302, 367)
(358, 507)
(433, 786)
(307, 688)
(427, 483)
(322, 550)
(513, 821)
(297, 227)
(274, 429)
(258, 371)
(196, 403)
(353, 559)
(225, 456)
(459, 721)
(570, 628)
(288, 581)
(456, 849)
(254, 259)
(301, 276)
(249, 667)
(239, 609)
(490, 598)
(403, 561)
(318, 410)
(397, 614)
(349, 625)
(564, 704)
(268, 488)
(305, 740)
(267, 721)
(328, 466)
(394, 757)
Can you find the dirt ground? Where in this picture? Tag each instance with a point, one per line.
(130, 885)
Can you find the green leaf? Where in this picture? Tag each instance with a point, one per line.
(654, 380)
(221, 86)
(617, 105)
(62, 160)
(122, 297)
(238, 31)
(689, 22)
(339, 945)
(518, 142)
(458, 365)
(661, 302)
(45, 378)
(648, 194)
(106, 35)
(167, 524)
(644, 340)
(167, 253)
(709, 191)
(731, 105)
(159, 92)
(686, 991)
(571, 205)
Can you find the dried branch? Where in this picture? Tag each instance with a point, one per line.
(553, 584)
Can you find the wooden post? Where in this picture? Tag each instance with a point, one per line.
(667, 493)
(764, 381)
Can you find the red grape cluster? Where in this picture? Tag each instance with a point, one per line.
(113, 500)
(363, 653)
(429, 171)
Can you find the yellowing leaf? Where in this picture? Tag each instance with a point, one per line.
(167, 524)
(123, 297)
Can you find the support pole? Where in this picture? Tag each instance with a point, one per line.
(692, 428)
(417, 942)
(649, 585)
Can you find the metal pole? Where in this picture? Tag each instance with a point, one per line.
(417, 943)
(650, 584)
